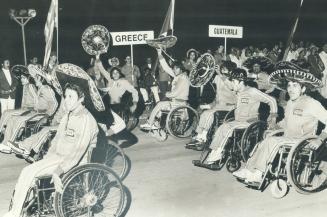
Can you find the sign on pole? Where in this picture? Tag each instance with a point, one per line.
(220, 31)
(131, 38)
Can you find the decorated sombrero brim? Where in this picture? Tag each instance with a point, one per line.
(265, 63)
(286, 71)
(162, 42)
(69, 73)
(19, 70)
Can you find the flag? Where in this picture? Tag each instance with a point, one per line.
(168, 24)
(290, 39)
(51, 23)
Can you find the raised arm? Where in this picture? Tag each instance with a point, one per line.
(98, 66)
(164, 64)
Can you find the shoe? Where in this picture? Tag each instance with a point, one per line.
(147, 126)
(199, 147)
(253, 177)
(241, 174)
(17, 150)
(5, 149)
(213, 166)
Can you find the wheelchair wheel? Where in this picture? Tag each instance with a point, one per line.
(232, 165)
(90, 190)
(307, 168)
(182, 121)
(278, 188)
(115, 159)
(252, 135)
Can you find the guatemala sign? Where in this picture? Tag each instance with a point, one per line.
(130, 38)
(225, 31)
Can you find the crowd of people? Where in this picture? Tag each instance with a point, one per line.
(243, 80)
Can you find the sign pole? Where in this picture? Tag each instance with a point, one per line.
(225, 48)
(132, 61)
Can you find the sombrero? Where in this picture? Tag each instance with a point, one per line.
(19, 70)
(265, 63)
(69, 73)
(112, 60)
(162, 42)
(287, 71)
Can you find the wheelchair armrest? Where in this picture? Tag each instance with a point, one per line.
(229, 116)
(279, 132)
(37, 115)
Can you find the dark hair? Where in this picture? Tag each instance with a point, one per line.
(119, 70)
(229, 65)
(76, 88)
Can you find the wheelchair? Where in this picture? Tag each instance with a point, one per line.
(180, 122)
(88, 190)
(238, 147)
(296, 165)
(219, 117)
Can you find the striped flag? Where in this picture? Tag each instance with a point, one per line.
(52, 22)
(168, 25)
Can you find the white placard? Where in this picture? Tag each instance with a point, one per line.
(225, 31)
(131, 38)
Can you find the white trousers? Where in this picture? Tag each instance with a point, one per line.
(154, 90)
(7, 104)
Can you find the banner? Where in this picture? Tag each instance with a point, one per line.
(225, 31)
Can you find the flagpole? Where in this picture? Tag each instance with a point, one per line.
(57, 19)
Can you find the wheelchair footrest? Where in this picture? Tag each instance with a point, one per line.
(213, 166)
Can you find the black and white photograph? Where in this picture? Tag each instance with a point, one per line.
(163, 108)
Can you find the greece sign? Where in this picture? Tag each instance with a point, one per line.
(131, 38)
(225, 31)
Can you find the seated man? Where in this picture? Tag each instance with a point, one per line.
(247, 106)
(179, 91)
(28, 100)
(45, 103)
(76, 132)
(302, 114)
(225, 101)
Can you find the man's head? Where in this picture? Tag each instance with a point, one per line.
(128, 60)
(227, 67)
(295, 90)
(178, 68)
(74, 96)
(220, 49)
(24, 79)
(6, 64)
(238, 78)
(114, 62)
(34, 60)
(148, 60)
(325, 48)
(256, 68)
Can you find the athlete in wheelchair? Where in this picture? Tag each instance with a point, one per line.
(79, 190)
(234, 139)
(28, 95)
(117, 89)
(173, 116)
(305, 165)
(213, 116)
(45, 105)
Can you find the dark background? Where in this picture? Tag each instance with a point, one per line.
(264, 21)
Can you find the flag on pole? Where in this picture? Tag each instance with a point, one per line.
(168, 24)
(290, 39)
(51, 23)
